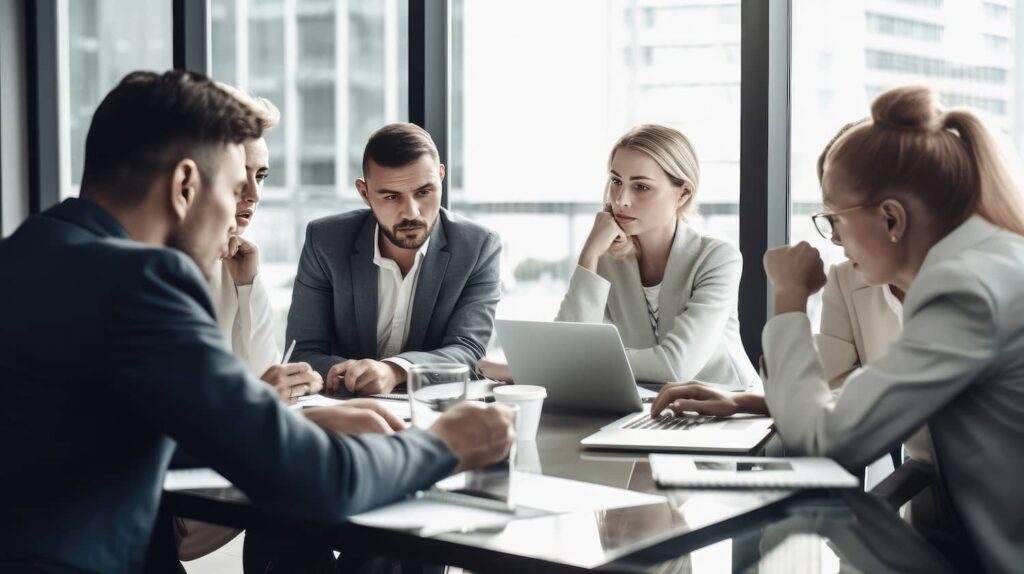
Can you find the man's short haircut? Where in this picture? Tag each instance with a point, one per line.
(396, 145)
(150, 122)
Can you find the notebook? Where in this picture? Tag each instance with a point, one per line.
(697, 471)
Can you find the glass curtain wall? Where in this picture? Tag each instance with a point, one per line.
(337, 70)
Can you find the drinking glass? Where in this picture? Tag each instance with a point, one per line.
(433, 389)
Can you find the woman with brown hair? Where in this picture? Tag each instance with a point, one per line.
(922, 199)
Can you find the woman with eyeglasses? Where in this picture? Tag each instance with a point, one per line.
(923, 199)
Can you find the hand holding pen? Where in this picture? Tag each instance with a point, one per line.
(293, 380)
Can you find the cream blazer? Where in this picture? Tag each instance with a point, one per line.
(699, 331)
(958, 365)
(858, 323)
(246, 319)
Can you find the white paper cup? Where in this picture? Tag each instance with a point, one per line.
(530, 399)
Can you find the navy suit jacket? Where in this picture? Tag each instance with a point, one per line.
(109, 354)
(333, 316)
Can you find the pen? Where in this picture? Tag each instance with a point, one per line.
(288, 353)
(460, 499)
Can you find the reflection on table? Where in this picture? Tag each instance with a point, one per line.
(682, 531)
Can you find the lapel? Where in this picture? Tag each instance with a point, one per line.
(365, 278)
(675, 284)
(878, 325)
(633, 324)
(428, 286)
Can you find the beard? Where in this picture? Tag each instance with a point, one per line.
(404, 225)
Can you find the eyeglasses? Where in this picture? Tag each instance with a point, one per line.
(824, 223)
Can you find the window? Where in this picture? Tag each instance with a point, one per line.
(136, 35)
(934, 4)
(538, 100)
(337, 71)
(903, 28)
(828, 92)
(996, 11)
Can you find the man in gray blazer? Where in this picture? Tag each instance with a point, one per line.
(110, 353)
(403, 282)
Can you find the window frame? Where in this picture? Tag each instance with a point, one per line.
(764, 122)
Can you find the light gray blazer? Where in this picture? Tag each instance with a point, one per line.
(958, 365)
(857, 326)
(333, 316)
(697, 320)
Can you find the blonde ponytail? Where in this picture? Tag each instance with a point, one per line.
(949, 160)
(999, 192)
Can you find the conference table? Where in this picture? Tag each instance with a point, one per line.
(683, 530)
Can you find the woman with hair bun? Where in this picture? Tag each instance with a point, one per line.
(921, 199)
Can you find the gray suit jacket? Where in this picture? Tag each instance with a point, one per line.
(109, 355)
(333, 316)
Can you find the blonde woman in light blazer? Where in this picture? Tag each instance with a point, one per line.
(920, 198)
(669, 290)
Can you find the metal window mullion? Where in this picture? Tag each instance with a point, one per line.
(429, 49)
(43, 78)
(191, 26)
(764, 155)
(343, 179)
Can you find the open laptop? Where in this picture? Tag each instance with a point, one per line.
(584, 368)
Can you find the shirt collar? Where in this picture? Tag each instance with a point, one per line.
(88, 215)
(968, 234)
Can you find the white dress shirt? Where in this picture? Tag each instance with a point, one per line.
(957, 365)
(395, 295)
(246, 319)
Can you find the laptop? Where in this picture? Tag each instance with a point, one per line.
(584, 368)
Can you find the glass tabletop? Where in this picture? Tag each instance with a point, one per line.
(682, 530)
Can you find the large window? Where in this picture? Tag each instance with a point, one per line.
(540, 92)
(844, 54)
(102, 40)
(337, 71)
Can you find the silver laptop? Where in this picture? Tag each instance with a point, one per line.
(584, 367)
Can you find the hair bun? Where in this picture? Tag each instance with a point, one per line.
(907, 107)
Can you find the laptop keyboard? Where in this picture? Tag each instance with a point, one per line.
(680, 422)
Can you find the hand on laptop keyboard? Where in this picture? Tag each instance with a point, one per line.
(667, 422)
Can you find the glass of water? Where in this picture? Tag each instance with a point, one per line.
(433, 389)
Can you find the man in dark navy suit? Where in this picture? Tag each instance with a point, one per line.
(110, 354)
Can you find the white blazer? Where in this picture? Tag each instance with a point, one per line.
(958, 365)
(858, 323)
(699, 331)
(246, 319)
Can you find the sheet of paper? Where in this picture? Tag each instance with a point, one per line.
(429, 517)
(194, 478)
(719, 471)
(399, 408)
(560, 495)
